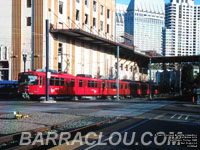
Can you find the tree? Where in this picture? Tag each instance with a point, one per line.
(187, 77)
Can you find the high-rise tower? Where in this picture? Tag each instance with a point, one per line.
(182, 28)
(144, 20)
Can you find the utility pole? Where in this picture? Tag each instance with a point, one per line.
(48, 75)
(117, 75)
(32, 38)
(61, 59)
(180, 88)
(150, 88)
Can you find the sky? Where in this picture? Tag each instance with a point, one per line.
(197, 2)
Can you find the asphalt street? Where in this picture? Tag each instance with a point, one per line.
(154, 123)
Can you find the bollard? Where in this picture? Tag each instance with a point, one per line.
(193, 99)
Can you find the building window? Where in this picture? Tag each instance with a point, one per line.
(108, 28)
(86, 18)
(108, 13)
(126, 67)
(131, 68)
(94, 22)
(60, 7)
(59, 67)
(6, 52)
(101, 25)
(28, 21)
(77, 15)
(60, 46)
(121, 66)
(101, 10)
(86, 3)
(94, 6)
(28, 3)
(77, 1)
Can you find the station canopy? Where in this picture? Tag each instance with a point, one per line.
(126, 51)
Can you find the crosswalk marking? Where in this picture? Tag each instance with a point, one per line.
(173, 116)
(180, 116)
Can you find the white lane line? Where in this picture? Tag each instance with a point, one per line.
(173, 116)
(136, 125)
(186, 118)
(180, 116)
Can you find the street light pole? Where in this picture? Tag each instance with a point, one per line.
(117, 76)
(47, 60)
(24, 53)
(150, 86)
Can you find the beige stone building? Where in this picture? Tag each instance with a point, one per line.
(69, 52)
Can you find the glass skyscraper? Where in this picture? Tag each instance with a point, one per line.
(144, 20)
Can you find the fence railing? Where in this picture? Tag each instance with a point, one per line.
(70, 24)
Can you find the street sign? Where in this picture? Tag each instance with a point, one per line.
(48, 75)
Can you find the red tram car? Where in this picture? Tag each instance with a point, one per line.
(32, 84)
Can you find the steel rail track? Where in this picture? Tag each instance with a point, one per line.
(15, 138)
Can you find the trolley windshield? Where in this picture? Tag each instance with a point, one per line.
(28, 80)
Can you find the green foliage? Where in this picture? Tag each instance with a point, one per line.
(187, 77)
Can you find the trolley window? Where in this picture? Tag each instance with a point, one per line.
(126, 86)
(111, 85)
(62, 81)
(107, 85)
(103, 84)
(40, 80)
(121, 86)
(67, 83)
(89, 83)
(80, 83)
(52, 81)
(95, 84)
(28, 80)
(43, 80)
(92, 83)
(72, 82)
(57, 82)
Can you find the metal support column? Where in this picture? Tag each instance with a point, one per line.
(32, 38)
(24, 54)
(47, 60)
(24, 65)
(180, 88)
(117, 75)
(150, 84)
(61, 59)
